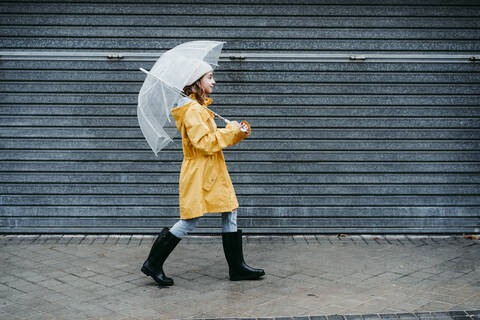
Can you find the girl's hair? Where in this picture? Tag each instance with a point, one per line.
(197, 90)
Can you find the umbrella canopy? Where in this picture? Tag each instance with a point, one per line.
(164, 85)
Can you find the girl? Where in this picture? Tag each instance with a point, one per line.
(205, 185)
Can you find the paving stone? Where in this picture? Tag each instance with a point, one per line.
(353, 317)
(441, 315)
(15, 309)
(406, 316)
(389, 316)
(47, 307)
(424, 315)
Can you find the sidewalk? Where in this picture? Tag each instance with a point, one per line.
(307, 277)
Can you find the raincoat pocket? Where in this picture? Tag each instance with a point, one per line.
(209, 181)
(210, 175)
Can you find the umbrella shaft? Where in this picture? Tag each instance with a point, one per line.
(219, 116)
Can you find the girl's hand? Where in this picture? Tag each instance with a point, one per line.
(244, 127)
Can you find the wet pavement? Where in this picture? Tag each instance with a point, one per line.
(307, 277)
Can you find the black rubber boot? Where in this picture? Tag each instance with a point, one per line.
(162, 247)
(238, 269)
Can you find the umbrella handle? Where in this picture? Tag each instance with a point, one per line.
(245, 123)
(249, 129)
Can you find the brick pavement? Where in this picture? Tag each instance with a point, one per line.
(307, 277)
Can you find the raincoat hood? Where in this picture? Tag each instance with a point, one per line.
(182, 106)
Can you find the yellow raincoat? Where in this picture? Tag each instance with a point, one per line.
(205, 185)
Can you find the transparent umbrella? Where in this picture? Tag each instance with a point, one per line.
(164, 85)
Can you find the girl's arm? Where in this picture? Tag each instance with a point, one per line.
(203, 139)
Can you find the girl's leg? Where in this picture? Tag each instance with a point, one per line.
(163, 246)
(182, 227)
(229, 221)
(232, 247)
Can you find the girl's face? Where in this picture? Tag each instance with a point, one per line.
(207, 82)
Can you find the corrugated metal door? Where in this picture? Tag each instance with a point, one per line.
(365, 116)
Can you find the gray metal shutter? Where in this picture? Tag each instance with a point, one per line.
(365, 116)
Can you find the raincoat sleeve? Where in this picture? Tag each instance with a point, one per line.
(204, 139)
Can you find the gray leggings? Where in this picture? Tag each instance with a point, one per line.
(182, 227)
